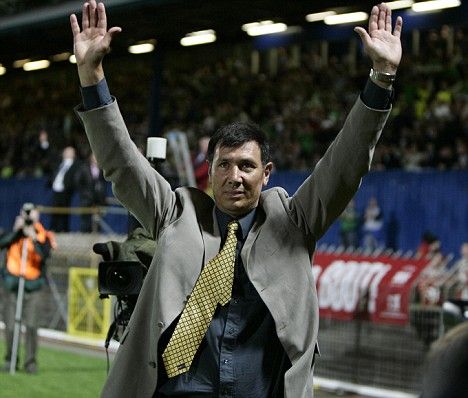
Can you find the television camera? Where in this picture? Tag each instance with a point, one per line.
(121, 274)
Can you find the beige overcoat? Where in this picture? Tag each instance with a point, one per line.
(277, 253)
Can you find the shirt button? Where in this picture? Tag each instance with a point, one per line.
(225, 361)
(160, 324)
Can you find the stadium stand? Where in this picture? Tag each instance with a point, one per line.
(419, 170)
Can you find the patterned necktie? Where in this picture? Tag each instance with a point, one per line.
(214, 285)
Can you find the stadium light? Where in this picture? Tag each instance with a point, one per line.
(346, 18)
(72, 59)
(434, 5)
(319, 16)
(2, 70)
(399, 4)
(61, 57)
(141, 48)
(263, 28)
(200, 37)
(36, 65)
(20, 62)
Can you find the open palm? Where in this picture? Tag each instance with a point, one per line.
(384, 47)
(381, 44)
(91, 43)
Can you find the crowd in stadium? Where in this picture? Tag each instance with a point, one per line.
(302, 107)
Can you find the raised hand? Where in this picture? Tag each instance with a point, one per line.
(91, 43)
(381, 44)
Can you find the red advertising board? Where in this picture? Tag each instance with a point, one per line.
(378, 286)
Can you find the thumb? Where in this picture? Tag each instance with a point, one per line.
(365, 38)
(111, 33)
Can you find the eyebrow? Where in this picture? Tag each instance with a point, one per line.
(248, 159)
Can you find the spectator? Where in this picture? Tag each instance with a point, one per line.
(349, 226)
(91, 187)
(428, 242)
(372, 228)
(200, 164)
(63, 187)
(27, 233)
(461, 266)
(433, 276)
(42, 154)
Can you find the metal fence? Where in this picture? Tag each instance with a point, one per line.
(356, 351)
(379, 355)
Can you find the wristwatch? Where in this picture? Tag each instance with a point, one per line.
(382, 76)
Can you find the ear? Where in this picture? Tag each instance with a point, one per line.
(267, 172)
(209, 171)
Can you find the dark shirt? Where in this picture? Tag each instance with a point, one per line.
(241, 355)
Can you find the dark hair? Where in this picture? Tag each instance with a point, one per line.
(236, 134)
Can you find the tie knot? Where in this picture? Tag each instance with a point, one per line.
(232, 227)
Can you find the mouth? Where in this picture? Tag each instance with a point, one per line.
(235, 194)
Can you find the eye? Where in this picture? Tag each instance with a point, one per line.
(223, 165)
(247, 166)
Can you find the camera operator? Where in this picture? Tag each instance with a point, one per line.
(28, 246)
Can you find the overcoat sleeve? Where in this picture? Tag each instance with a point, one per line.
(337, 176)
(140, 188)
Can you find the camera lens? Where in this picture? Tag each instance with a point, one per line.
(119, 279)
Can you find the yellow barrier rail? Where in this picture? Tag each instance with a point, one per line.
(88, 315)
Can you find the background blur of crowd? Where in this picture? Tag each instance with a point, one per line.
(301, 103)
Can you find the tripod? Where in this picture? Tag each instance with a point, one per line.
(19, 308)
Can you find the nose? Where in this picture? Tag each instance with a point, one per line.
(234, 175)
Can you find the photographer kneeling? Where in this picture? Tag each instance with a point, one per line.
(28, 246)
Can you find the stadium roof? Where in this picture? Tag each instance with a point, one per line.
(28, 30)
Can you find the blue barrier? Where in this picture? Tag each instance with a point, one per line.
(411, 202)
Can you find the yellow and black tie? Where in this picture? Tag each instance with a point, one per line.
(214, 285)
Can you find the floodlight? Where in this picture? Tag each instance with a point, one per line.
(36, 65)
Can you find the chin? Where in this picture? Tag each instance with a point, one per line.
(233, 211)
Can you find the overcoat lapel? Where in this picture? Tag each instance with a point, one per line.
(211, 236)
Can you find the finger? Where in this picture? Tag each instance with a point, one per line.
(398, 27)
(115, 29)
(365, 38)
(381, 20)
(110, 35)
(102, 18)
(388, 20)
(85, 16)
(74, 25)
(373, 19)
(92, 13)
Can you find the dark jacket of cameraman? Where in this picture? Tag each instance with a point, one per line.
(37, 252)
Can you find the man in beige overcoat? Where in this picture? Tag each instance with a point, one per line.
(263, 341)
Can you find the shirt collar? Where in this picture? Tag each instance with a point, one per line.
(245, 222)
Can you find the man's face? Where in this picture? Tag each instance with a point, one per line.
(237, 176)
